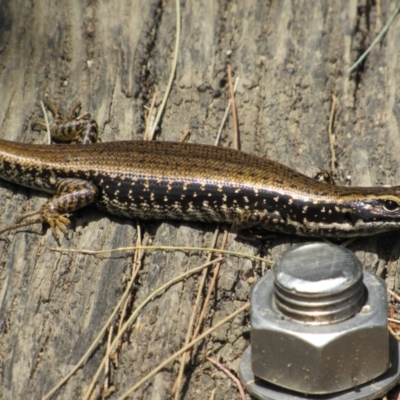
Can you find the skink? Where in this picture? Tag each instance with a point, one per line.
(176, 181)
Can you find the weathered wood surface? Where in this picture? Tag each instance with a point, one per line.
(290, 57)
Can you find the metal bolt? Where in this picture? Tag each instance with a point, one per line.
(319, 326)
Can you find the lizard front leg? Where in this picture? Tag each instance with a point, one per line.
(71, 194)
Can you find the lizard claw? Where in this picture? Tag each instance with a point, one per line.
(52, 218)
(58, 221)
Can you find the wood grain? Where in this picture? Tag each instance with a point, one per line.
(290, 57)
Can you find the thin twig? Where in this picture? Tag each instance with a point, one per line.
(391, 330)
(149, 119)
(331, 135)
(189, 333)
(134, 315)
(136, 266)
(183, 350)
(232, 376)
(46, 120)
(395, 295)
(107, 364)
(186, 134)
(376, 40)
(173, 70)
(347, 242)
(211, 288)
(236, 141)
(186, 356)
(228, 107)
(163, 248)
(95, 342)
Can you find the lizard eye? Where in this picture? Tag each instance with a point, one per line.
(390, 205)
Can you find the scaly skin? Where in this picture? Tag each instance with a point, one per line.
(165, 180)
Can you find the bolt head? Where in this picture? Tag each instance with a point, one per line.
(324, 358)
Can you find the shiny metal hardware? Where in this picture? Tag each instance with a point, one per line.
(319, 327)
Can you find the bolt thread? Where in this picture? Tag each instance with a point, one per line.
(320, 310)
(319, 284)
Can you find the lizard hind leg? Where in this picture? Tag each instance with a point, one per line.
(71, 195)
(71, 129)
(45, 216)
(39, 220)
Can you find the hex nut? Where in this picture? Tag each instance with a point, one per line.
(319, 359)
